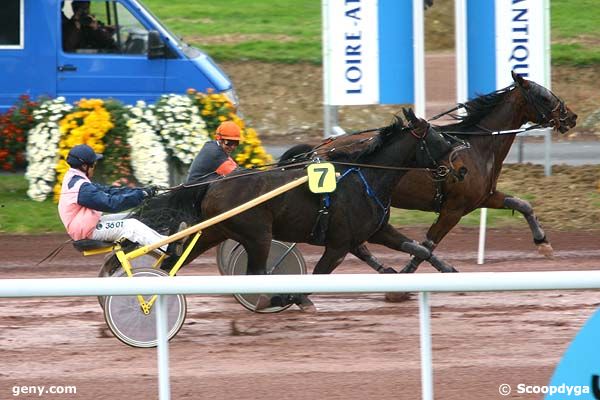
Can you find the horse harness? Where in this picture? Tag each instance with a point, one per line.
(431, 151)
(321, 225)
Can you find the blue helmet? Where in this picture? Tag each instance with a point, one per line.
(82, 154)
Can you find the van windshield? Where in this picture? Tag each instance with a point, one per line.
(176, 40)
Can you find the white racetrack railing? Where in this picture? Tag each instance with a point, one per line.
(337, 283)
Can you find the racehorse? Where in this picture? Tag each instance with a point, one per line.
(486, 131)
(358, 208)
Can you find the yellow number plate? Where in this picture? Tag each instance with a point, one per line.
(321, 178)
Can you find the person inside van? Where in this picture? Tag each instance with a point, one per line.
(82, 202)
(84, 31)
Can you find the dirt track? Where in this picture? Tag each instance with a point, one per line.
(356, 347)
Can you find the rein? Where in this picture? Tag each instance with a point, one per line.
(440, 170)
(487, 132)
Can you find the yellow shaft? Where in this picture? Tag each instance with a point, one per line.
(219, 218)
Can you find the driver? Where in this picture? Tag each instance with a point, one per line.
(215, 156)
(82, 202)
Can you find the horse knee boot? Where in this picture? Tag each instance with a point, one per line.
(416, 250)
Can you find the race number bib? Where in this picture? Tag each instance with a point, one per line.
(321, 178)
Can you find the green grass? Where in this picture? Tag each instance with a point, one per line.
(495, 218)
(19, 214)
(575, 32)
(290, 31)
(265, 30)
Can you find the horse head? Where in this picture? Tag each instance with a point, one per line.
(433, 146)
(418, 126)
(544, 107)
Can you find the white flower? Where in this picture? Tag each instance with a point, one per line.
(176, 121)
(42, 147)
(148, 156)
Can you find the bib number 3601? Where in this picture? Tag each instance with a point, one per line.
(321, 178)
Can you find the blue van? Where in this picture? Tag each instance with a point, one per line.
(99, 48)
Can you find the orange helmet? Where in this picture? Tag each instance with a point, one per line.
(228, 130)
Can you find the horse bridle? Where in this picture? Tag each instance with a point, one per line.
(554, 117)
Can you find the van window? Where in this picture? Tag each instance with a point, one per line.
(102, 27)
(11, 24)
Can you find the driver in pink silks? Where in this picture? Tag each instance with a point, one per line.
(82, 202)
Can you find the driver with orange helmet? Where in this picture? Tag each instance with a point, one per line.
(215, 155)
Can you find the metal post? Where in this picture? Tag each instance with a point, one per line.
(419, 58)
(164, 392)
(425, 327)
(482, 224)
(547, 148)
(331, 125)
(460, 42)
(521, 148)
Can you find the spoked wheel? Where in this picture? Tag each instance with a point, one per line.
(224, 253)
(284, 259)
(112, 265)
(129, 324)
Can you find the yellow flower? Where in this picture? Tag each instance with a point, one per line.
(95, 122)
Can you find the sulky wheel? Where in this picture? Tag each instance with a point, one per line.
(284, 259)
(128, 322)
(224, 253)
(112, 266)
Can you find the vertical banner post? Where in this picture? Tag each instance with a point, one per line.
(419, 58)
(460, 38)
(482, 226)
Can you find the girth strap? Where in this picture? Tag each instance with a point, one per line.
(370, 192)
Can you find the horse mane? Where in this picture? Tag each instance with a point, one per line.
(379, 141)
(479, 108)
(298, 152)
(164, 212)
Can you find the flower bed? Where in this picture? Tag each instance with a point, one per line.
(13, 128)
(140, 143)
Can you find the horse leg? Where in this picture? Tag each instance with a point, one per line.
(447, 220)
(390, 237)
(500, 200)
(257, 251)
(330, 259)
(364, 254)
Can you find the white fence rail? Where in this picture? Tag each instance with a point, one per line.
(338, 283)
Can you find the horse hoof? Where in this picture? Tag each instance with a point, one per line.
(546, 250)
(307, 306)
(262, 302)
(397, 297)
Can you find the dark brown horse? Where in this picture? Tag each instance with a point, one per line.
(358, 209)
(475, 166)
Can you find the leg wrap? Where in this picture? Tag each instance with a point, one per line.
(429, 244)
(412, 266)
(522, 206)
(416, 250)
(514, 203)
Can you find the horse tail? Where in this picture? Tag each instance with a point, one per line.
(295, 153)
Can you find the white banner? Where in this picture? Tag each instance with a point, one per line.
(350, 52)
(521, 41)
